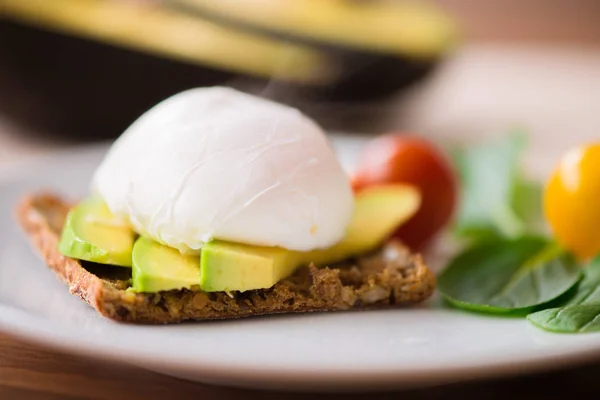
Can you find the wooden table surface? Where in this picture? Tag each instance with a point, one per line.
(31, 372)
(554, 92)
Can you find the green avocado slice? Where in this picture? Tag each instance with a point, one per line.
(378, 212)
(161, 31)
(158, 268)
(92, 233)
(417, 29)
(227, 266)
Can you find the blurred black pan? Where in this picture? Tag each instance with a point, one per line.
(90, 67)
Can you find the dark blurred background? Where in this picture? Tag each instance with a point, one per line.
(85, 69)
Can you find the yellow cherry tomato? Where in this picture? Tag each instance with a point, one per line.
(572, 201)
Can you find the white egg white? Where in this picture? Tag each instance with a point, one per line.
(217, 163)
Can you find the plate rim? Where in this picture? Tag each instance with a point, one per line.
(20, 324)
(25, 326)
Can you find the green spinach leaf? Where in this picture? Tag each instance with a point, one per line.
(507, 275)
(496, 201)
(580, 312)
(527, 205)
(578, 318)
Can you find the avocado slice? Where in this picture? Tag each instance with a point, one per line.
(378, 212)
(227, 266)
(414, 28)
(222, 267)
(382, 47)
(92, 233)
(158, 268)
(164, 32)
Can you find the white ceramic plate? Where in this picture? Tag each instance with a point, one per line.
(396, 348)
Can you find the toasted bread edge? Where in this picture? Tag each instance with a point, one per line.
(393, 277)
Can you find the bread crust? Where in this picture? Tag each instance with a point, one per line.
(390, 277)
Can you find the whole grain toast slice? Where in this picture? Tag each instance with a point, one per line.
(390, 277)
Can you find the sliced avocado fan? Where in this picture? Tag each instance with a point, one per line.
(153, 28)
(92, 233)
(226, 266)
(412, 28)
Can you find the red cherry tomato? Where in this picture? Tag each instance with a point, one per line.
(396, 158)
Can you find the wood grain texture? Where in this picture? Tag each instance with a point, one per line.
(31, 372)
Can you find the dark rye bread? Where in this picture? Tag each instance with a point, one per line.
(391, 277)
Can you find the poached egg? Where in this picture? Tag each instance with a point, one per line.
(216, 163)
